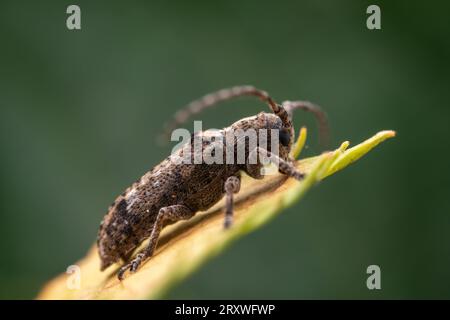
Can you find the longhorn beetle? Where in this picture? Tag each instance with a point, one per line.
(171, 192)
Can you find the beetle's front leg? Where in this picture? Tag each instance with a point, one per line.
(232, 185)
(284, 166)
(166, 214)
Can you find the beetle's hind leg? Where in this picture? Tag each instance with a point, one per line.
(167, 214)
(232, 185)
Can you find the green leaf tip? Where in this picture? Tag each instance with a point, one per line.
(353, 154)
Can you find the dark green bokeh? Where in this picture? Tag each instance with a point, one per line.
(80, 111)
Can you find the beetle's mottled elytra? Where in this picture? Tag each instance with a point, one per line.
(171, 192)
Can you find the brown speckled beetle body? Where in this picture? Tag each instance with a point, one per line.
(171, 192)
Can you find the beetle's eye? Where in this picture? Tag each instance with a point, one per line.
(285, 137)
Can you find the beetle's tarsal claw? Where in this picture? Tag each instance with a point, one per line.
(228, 222)
(121, 273)
(136, 262)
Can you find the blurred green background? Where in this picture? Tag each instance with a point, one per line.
(80, 111)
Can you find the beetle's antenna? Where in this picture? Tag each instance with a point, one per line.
(222, 95)
(319, 114)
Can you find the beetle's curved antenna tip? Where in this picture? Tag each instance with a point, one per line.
(319, 114)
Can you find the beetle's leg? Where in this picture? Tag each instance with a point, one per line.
(232, 185)
(167, 214)
(284, 167)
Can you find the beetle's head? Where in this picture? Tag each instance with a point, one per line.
(280, 134)
(267, 131)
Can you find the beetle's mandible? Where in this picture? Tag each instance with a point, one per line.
(171, 192)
